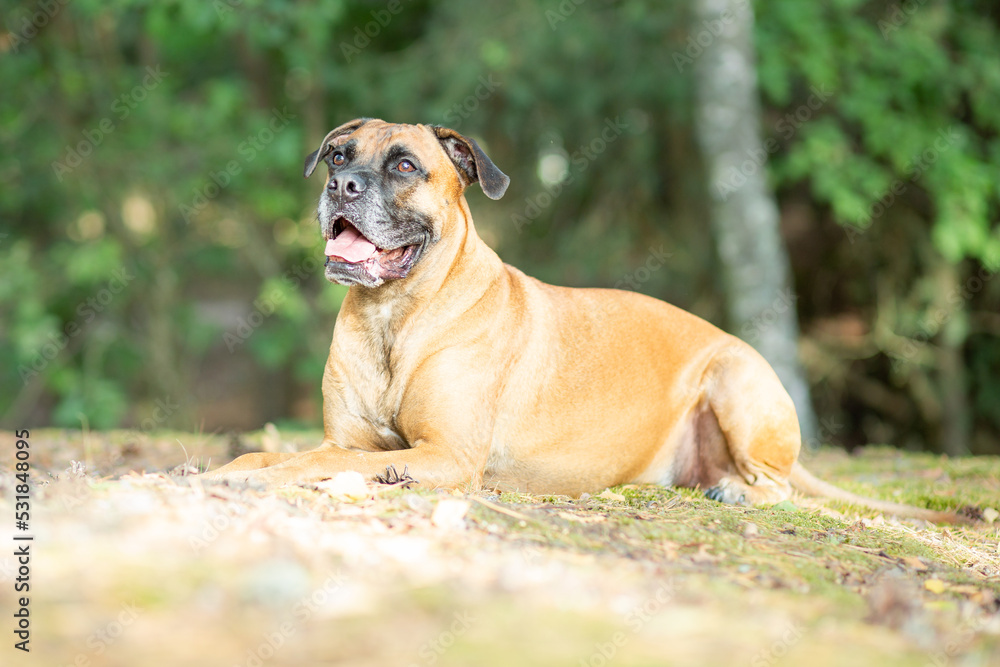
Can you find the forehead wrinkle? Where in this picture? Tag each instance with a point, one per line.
(372, 140)
(375, 140)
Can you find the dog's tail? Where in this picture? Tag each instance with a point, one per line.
(805, 482)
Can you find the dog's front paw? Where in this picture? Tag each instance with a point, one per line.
(392, 476)
(728, 492)
(734, 491)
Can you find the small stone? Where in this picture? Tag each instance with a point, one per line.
(450, 514)
(347, 485)
(749, 529)
(990, 515)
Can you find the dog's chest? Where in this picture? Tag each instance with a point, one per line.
(367, 390)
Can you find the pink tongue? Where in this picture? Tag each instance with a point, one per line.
(351, 246)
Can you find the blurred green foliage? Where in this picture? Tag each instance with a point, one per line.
(166, 140)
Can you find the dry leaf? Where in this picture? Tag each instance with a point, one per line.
(990, 515)
(935, 586)
(984, 598)
(608, 494)
(914, 563)
(703, 555)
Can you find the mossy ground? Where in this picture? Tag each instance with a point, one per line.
(135, 566)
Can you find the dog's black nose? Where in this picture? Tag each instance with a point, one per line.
(347, 187)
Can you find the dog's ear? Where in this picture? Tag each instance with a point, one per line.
(312, 160)
(472, 163)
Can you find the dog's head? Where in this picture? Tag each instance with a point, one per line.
(389, 192)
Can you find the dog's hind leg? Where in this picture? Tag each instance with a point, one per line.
(757, 418)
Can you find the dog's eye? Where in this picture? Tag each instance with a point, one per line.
(339, 159)
(406, 166)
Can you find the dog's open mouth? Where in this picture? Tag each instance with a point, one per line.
(350, 247)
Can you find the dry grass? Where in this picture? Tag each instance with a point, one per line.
(148, 568)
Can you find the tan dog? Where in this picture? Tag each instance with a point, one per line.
(468, 373)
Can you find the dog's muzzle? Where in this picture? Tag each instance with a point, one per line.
(349, 251)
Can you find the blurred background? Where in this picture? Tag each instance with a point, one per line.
(160, 258)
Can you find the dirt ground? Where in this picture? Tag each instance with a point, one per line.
(134, 563)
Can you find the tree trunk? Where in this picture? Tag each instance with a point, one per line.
(744, 215)
(953, 382)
